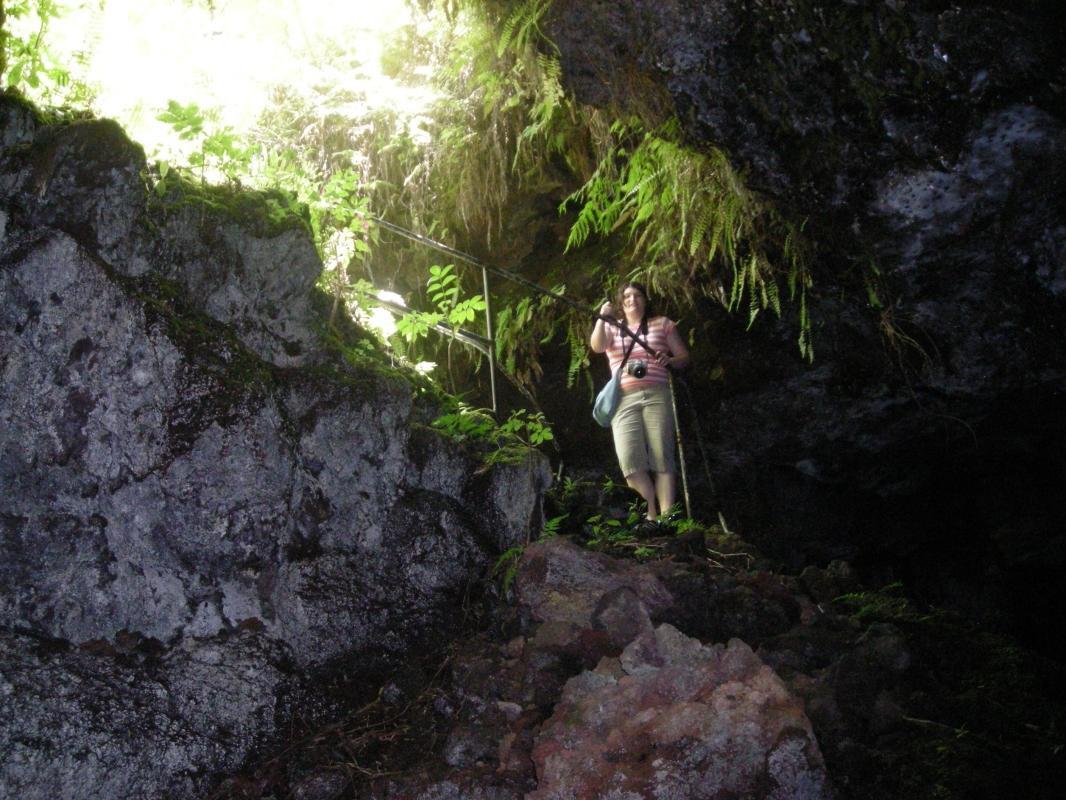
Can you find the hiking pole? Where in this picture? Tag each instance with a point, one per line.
(699, 440)
(680, 445)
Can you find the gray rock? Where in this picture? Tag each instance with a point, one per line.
(254, 276)
(235, 264)
(83, 178)
(181, 460)
(84, 724)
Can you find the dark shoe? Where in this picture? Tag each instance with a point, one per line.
(648, 529)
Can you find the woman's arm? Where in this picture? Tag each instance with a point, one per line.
(601, 337)
(678, 356)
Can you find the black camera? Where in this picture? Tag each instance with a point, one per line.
(638, 369)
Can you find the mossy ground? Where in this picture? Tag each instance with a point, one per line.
(262, 213)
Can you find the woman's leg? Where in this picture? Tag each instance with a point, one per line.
(630, 442)
(658, 418)
(642, 482)
(665, 490)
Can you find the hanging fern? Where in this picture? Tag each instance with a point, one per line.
(522, 28)
(576, 339)
(688, 216)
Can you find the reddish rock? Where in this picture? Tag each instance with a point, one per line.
(557, 580)
(672, 718)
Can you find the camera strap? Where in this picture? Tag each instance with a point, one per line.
(625, 358)
(643, 331)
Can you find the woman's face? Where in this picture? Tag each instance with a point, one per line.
(633, 302)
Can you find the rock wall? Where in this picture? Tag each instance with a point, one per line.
(184, 466)
(924, 144)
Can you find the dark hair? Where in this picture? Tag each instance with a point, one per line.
(649, 309)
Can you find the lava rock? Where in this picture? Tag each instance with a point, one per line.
(81, 722)
(681, 721)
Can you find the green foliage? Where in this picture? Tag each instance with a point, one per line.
(529, 429)
(444, 291)
(219, 150)
(502, 108)
(267, 212)
(522, 27)
(603, 532)
(889, 603)
(691, 220)
(414, 325)
(464, 423)
(521, 428)
(27, 62)
(450, 307)
(506, 565)
(522, 328)
(333, 195)
(684, 525)
(501, 123)
(552, 526)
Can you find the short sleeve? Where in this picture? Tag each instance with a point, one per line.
(669, 326)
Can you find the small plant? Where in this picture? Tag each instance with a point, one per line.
(529, 429)
(887, 604)
(522, 428)
(570, 493)
(606, 532)
(27, 62)
(552, 526)
(220, 150)
(414, 325)
(506, 565)
(449, 307)
(520, 330)
(465, 423)
(684, 525)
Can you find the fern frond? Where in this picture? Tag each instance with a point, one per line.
(774, 295)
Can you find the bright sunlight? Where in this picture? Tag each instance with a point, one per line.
(228, 56)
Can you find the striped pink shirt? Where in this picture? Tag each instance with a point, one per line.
(658, 329)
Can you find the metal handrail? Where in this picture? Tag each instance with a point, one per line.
(506, 274)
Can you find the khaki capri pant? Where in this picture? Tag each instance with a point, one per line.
(643, 429)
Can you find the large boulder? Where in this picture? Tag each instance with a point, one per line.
(179, 468)
(672, 718)
(581, 695)
(590, 698)
(243, 259)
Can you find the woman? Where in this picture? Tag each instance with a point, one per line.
(643, 426)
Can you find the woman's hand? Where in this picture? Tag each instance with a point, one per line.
(600, 337)
(679, 352)
(662, 358)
